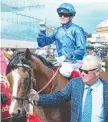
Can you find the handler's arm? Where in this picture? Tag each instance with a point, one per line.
(59, 97)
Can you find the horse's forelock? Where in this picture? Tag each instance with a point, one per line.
(18, 58)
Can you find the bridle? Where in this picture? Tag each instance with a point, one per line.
(29, 80)
(16, 62)
(26, 91)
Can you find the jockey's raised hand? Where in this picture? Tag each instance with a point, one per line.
(42, 26)
(34, 95)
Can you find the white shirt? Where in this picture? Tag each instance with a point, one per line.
(97, 101)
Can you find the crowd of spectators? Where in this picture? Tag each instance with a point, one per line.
(102, 53)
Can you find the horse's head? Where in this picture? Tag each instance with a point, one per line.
(20, 78)
(22, 68)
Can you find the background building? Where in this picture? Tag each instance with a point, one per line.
(102, 31)
(101, 35)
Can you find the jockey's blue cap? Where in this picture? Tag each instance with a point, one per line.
(66, 7)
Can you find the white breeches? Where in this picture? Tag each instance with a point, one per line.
(68, 67)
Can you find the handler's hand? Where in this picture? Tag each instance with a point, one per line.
(34, 95)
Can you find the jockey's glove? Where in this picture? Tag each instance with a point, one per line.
(42, 26)
(34, 96)
(60, 59)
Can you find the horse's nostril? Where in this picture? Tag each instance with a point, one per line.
(13, 114)
(18, 111)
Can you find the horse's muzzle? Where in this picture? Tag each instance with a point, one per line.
(18, 113)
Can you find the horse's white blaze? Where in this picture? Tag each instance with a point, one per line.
(31, 108)
(16, 77)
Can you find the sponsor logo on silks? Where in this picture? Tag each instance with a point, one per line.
(6, 108)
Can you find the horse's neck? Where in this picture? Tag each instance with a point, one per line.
(44, 71)
(42, 75)
(104, 76)
(60, 82)
(41, 69)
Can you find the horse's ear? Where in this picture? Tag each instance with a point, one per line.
(27, 54)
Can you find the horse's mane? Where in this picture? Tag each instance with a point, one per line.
(44, 61)
(19, 57)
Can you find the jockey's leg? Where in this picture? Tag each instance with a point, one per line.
(70, 70)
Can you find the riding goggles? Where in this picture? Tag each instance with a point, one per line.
(86, 71)
(64, 14)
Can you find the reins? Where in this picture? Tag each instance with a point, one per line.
(50, 81)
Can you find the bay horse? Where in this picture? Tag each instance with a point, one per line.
(27, 71)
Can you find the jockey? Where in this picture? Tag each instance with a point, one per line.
(70, 40)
